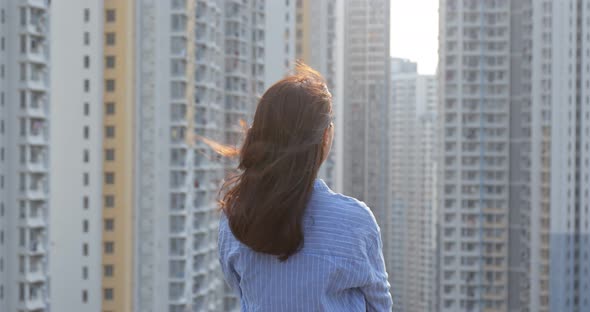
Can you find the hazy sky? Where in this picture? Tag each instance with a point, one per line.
(414, 32)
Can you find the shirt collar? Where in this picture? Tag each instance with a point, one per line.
(320, 185)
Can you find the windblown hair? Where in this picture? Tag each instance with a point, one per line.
(278, 163)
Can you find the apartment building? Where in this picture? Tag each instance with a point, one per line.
(413, 175)
(319, 37)
(24, 155)
(513, 209)
(280, 39)
(75, 155)
(365, 148)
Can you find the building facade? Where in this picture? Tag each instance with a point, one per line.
(474, 73)
(365, 160)
(24, 155)
(558, 263)
(179, 73)
(75, 155)
(514, 138)
(319, 37)
(280, 39)
(413, 127)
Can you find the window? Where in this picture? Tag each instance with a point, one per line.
(108, 270)
(110, 85)
(23, 72)
(109, 225)
(23, 16)
(109, 61)
(110, 38)
(86, 156)
(86, 132)
(85, 202)
(110, 108)
(108, 294)
(85, 226)
(86, 179)
(85, 249)
(86, 109)
(86, 15)
(109, 131)
(84, 296)
(109, 201)
(110, 15)
(109, 247)
(109, 154)
(86, 61)
(85, 272)
(86, 38)
(86, 85)
(109, 178)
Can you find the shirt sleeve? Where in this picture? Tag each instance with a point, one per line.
(225, 260)
(376, 287)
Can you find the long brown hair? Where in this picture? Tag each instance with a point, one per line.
(279, 161)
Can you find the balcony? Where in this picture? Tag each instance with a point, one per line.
(38, 53)
(35, 275)
(177, 270)
(35, 301)
(39, 4)
(34, 130)
(37, 190)
(177, 226)
(178, 159)
(36, 221)
(36, 247)
(200, 243)
(37, 107)
(37, 25)
(177, 204)
(177, 247)
(178, 184)
(177, 297)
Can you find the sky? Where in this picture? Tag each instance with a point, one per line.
(414, 32)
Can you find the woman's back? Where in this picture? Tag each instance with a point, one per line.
(339, 267)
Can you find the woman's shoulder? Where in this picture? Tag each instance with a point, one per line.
(350, 212)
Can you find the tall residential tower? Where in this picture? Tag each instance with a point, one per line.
(413, 183)
(365, 160)
(514, 155)
(320, 44)
(24, 156)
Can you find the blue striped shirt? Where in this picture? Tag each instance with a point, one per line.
(339, 268)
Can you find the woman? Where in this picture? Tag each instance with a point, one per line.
(286, 241)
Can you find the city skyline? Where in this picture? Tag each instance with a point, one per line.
(478, 175)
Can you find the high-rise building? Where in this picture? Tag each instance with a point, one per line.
(365, 160)
(245, 42)
(319, 37)
(513, 216)
(554, 105)
(178, 70)
(279, 56)
(413, 183)
(118, 128)
(474, 72)
(320, 44)
(132, 87)
(24, 156)
(75, 155)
